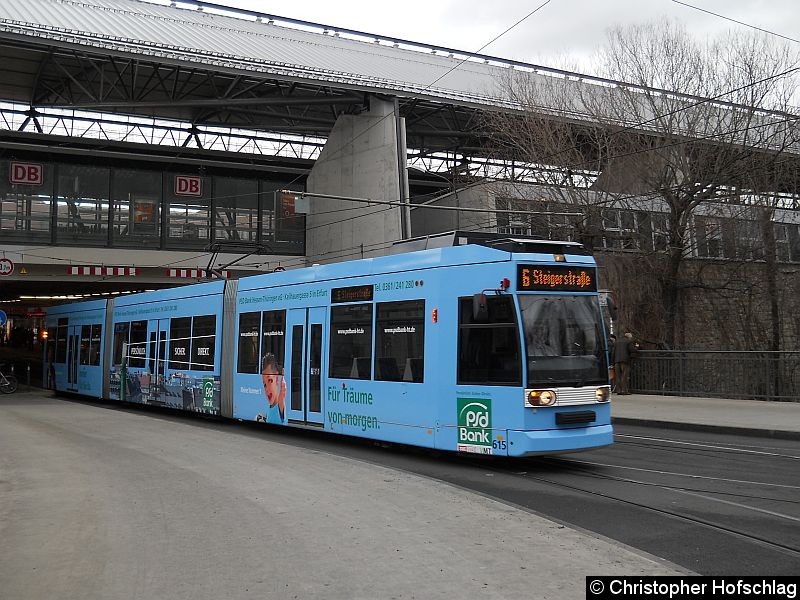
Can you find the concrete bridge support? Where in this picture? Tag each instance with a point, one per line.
(365, 157)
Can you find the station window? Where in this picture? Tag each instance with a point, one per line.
(400, 341)
(235, 209)
(488, 348)
(204, 332)
(351, 341)
(187, 211)
(25, 209)
(248, 342)
(136, 197)
(273, 334)
(137, 347)
(82, 205)
(290, 225)
(61, 341)
(180, 333)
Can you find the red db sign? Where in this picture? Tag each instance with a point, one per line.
(187, 185)
(27, 173)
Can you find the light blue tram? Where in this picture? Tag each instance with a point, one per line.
(75, 347)
(166, 349)
(491, 348)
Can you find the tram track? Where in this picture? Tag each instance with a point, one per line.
(690, 476)
(642, 441)
(562, 466)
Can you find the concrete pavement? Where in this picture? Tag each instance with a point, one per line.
(747, 417)
(108, 504)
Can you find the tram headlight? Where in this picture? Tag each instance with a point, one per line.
(602, 394)
(541, 397)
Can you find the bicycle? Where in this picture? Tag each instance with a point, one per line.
(8, 383)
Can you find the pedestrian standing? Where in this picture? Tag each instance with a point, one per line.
(625, 351)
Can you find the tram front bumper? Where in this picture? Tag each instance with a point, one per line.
(550, 441)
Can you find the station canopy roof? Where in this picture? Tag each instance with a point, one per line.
(206, 64)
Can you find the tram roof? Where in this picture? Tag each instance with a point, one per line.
(183, 292)
(470, 254)
(71, 307)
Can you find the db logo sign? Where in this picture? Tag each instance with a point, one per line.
(187, 185)
(27, 173)
(6, 267)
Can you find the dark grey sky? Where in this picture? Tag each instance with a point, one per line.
(563, 30)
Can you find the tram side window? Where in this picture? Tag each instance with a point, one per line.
(248, 342)
(137, 347)
(351, 341)
(94, 345)
(180, 332)
(400, 341)
(50, 344)
(488, 351)
(120, 338)
(204, 331)
(86, 338)
(61, 341)
(273, 334)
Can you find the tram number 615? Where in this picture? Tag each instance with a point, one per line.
(499, 444)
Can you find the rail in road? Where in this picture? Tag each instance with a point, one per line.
(709, 503)
(712, 503)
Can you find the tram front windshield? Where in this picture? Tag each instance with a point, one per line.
(564, 340)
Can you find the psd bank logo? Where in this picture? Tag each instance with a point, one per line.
(475, 425)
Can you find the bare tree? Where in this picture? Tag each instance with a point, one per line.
(696, 129)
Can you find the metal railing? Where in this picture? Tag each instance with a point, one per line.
(721, 374)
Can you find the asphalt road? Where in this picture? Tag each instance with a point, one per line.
(715, 504)
(712, 504)
(98, 502)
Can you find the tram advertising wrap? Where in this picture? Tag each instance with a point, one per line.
(434, 348)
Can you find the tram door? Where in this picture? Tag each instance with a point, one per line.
(73, 356)
(303, 368)
(157, 333)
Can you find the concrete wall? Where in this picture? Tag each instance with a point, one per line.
(724, 305)
(431, 221)
(359, 161)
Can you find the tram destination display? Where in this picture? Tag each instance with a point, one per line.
(358, 293)
(556, 278)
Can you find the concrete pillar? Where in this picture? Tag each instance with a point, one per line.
(638, 173)
(360, 160)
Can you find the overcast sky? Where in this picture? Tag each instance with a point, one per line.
(563, 28)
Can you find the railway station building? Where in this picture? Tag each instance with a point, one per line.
(148, 144)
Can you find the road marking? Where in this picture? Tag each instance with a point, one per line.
(711, 446)
(657, 472)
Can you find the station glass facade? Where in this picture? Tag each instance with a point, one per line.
(106, 206)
